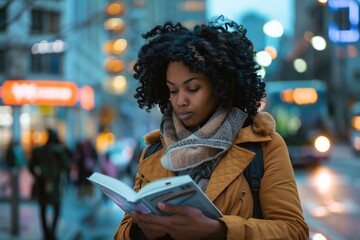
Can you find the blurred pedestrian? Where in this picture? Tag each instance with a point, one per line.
(48, 164)
(15, 161)
(107, 166)
(14, 155)
(85, 161)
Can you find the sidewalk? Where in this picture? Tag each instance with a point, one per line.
(74, 214)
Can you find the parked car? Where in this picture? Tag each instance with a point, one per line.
(354, 134)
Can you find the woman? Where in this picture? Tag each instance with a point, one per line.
(205, 83)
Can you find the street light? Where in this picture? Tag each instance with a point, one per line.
(300, 65)
(273, 28)
(263, 58)
(318, 43)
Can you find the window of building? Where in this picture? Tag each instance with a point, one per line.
(2, 19)
(44, 21)
(47, 63)
(193, 6)
(2, 60)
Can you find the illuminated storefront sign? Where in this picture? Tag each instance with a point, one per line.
(87, 97)
(349, 32)
(46, 93)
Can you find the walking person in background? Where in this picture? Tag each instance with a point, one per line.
(85, 159)
(107, 167)
(205, 82)
(14, 155)
(49, 164)
(15, 161)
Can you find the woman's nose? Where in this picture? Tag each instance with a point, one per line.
(182, 99)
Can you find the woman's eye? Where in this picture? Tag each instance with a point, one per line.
(172, 91)
(193, 89)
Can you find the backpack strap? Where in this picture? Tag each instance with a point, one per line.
(253, 174)
(153, 149)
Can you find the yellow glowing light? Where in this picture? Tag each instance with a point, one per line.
(104, 140)
(119, 46)
(119, 84)
(322, 2)
(323, 181)
(114, 65)
(319, 236)
(322, 144)
(39, 137)
(114, 24)
(355, 122)
(320, 211)
(299, 96)
(305, 96)
(115, 8)
(193, 6)
(108, 46)
(272, 51)
(287, 96)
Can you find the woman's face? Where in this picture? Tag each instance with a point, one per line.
(191, 94)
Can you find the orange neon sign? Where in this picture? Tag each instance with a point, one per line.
(47, 93)
(299, 96)
(87, 97)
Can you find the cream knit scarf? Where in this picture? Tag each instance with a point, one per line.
(186, 149)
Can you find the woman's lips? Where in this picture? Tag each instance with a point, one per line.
(184, 115)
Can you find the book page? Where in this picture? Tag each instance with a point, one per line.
(162, 184)
(119, 200)
(111, 186)
(179, 190)
(186, 194)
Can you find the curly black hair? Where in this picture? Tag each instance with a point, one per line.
(219, 49)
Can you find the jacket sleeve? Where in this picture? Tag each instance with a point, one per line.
(279, 200)
(123, 231)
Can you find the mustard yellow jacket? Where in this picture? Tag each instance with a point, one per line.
(230, 192)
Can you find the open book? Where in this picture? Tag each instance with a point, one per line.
(179, 190)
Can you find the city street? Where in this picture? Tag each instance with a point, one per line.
(96, 76)
(87, 218)
(329, 194)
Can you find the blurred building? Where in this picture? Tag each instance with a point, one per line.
(73, 42)
(254, 24)
(44, 46)
(337, 62)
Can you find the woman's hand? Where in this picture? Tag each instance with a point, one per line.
(150, 230)
(183, 223)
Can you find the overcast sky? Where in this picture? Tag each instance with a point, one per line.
(280, 10)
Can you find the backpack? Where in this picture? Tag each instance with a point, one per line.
(253, 172)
